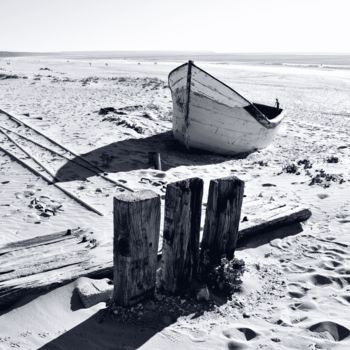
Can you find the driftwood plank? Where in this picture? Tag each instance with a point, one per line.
(183, 202)
(273, 220)
(37, 241)
(136, 236)
(222, 219)
(45, 262)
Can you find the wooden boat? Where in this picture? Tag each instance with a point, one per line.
(210, 115)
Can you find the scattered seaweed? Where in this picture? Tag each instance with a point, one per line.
(4, 76)
(318, 176)
(118, 120)
(225, 278)
(324, 179)
(332, 159)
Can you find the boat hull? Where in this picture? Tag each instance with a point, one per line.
(209, 115)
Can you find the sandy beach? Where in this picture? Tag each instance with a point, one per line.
(296, 287)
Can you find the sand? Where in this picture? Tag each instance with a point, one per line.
(296, 290)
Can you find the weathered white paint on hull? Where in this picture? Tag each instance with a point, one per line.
(211, 116)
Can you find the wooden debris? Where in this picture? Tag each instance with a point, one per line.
(100, 172)
(273, 220)
(136, 236)
(45, 262)
(48, 180)
(183, 202)
(42, 263)
(222, 219)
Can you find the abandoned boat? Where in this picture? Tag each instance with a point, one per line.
(210, 115)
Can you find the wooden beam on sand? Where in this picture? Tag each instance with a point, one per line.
(273, 220)
(223, 214)
(183, 206)
(136, 237)
(98, 170)
(50, 181)
(74, 160)
(45, 262)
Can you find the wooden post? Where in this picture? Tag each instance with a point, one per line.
(136, 236)
(222, 219)
(180, 260)
(155, 160)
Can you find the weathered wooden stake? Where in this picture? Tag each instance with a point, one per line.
(222, 219)
(180, 260)
(155, 160)
(136, 236)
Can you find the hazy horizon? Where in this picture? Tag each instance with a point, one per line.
(304, 59)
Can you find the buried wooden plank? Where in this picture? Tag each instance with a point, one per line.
(136, 237)
(44, 262)
(37, 241)
(98, 262)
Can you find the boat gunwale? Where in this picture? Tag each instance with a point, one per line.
(266, 122)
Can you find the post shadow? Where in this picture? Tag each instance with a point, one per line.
(132, 154)
(104, 328)
(100, 331)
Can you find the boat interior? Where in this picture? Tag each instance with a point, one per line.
(268, 111)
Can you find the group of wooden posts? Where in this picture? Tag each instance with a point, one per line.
(137, 227)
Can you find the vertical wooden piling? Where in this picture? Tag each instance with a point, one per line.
(222, 219)
(136, 236)
(155, 160)
(180, 260)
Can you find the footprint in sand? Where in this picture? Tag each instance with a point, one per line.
(198, 336)
(330, 330)
(336, 250)
(334, 256)
(236, 345)
(296, 294)
(304, 306)
(296, 290)
(238, 336)
(281, 244)
(343, 215)
(343, 270)
(324, 280)
(329, 264)
(295, 268)
(320, 280)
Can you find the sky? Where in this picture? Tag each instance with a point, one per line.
(176, 25)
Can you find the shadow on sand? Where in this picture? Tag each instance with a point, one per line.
(104, 330)
(132, 154)
(268, 236)
(100, 331)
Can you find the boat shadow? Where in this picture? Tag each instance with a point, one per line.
(132, 154)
